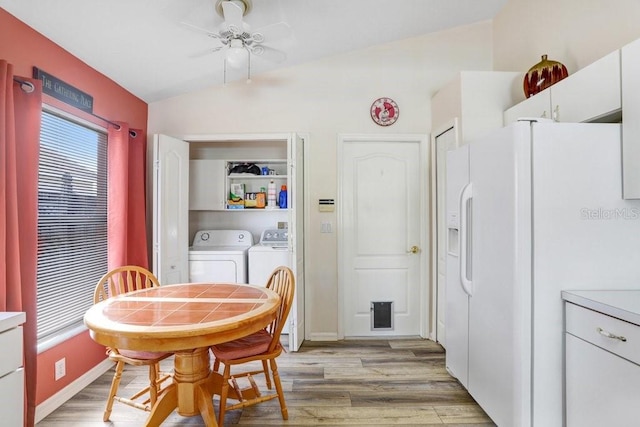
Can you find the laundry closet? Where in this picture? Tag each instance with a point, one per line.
(211, 207)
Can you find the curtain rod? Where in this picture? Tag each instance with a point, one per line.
(28, 87)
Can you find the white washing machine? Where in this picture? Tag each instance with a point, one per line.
(219, 256)
(272, 251)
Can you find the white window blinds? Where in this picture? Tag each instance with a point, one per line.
(72, 221)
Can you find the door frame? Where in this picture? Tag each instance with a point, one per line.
(302, 220)
(433, 201)
(425, 255)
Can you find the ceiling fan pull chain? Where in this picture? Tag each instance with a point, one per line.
(224, 73)
(248, 66)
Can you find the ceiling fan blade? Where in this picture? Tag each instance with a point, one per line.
(202, 30)
(268, 53)
(233, 16)
(206, 52)
(273, 32)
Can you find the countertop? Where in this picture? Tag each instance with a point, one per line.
(9, 320)
(622, 304)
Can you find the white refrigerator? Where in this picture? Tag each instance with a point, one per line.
(532, 209)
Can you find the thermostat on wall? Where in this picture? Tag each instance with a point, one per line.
(326, 205)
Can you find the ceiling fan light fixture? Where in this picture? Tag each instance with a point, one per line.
(237, 55)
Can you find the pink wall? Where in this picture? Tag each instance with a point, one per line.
(25, 48)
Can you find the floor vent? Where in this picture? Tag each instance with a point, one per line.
(382, 316)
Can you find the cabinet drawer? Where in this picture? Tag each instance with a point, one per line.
(592, 327)
(602, 388)
(11, 354)
(12, 402)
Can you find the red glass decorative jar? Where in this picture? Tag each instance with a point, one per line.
(542, 75)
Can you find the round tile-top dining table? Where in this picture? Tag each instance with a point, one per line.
(184, 319)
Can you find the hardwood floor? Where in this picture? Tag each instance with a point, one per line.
(359, 382)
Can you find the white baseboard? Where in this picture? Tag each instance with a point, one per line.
(55, 401)
(323, 336)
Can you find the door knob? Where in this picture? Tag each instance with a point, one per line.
(413, 250)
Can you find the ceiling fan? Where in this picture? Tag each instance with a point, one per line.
(238, 41)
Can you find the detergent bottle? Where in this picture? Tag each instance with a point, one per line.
(282, 198)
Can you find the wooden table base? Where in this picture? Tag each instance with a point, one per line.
(191, 393)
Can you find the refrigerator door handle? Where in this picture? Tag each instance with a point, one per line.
(465, 197)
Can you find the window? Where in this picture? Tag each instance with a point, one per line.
(72, 221)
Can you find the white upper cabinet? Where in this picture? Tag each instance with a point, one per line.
(537, 106)
(631, 120)
(210, 181)
(207, 185)
(477, 100)
(591, 94)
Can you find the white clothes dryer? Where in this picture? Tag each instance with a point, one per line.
(219, 256)
(272, 251)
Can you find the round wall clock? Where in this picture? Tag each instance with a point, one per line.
(384, 111)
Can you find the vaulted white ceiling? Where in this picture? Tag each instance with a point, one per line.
(145, 46)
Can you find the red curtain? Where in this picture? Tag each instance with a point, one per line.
(126, 224)
(19, 155)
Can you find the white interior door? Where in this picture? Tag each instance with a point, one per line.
(170, 209)
(381, 250)
(296, 236)
(443, 141)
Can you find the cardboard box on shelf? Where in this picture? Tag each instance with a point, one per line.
(255, 200)
(232, 204)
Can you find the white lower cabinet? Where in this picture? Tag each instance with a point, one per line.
(11, 369)
(601, 371)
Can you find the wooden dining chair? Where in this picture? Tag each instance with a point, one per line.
(263, 346)
(118, 281)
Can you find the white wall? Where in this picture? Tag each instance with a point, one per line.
(324, 99)
(574, 32)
